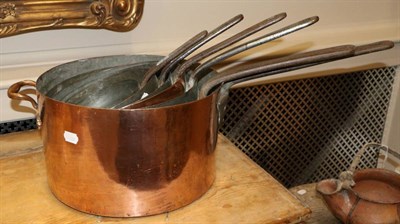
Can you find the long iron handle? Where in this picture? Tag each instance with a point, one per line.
(211, 35)
(167, 59)
(251, 44)
(225, 43)
(359, 50)
(247, 71)
(292, 62)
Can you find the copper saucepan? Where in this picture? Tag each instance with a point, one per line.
(123, 163)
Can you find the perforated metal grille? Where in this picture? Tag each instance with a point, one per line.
(306, 130)
(15, 126)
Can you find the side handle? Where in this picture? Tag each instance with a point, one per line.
(13, 93)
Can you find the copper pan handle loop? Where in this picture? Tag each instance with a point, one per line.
(13, 93)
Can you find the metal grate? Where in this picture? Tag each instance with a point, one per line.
(15, 126)
(307, 130)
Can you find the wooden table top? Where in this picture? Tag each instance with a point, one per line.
(242, 192)
(308, 196)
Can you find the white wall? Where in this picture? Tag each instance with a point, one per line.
(168, 23)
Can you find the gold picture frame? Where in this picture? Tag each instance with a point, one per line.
(21, 16)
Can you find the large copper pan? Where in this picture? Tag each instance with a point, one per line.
(123, 163)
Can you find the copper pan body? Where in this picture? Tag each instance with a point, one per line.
(125, 163)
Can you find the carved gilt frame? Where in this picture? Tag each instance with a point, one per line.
(20, 16)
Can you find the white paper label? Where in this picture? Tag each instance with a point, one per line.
(71, 137)
(301, 192)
